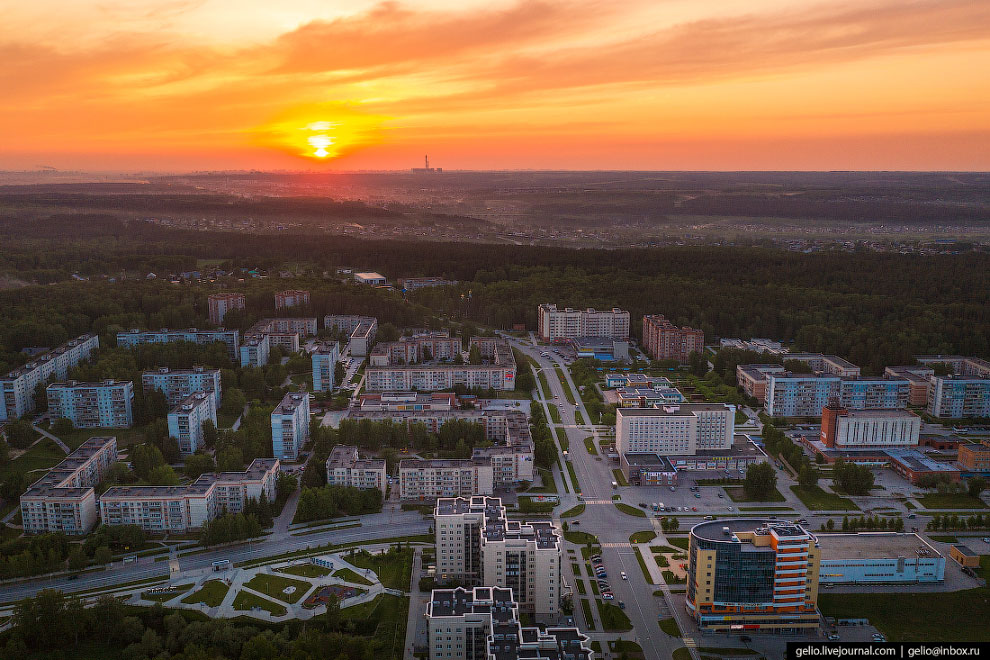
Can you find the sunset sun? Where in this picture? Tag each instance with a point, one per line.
(323, 132)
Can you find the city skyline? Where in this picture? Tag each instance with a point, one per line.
(547, 85)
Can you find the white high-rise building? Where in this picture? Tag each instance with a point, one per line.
(290, 426)
(325, 358)
(683, 429)
(569, 323)
(17, 387)
(185, 421)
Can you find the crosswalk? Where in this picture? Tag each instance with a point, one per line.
(689, 642)
(616, 545)
(597, 501)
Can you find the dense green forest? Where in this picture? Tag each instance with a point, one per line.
(872, 308)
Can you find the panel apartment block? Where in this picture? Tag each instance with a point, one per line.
(568, 323)
(177, 384)
(662, 340)
(221, 303)
(18, 386)
(290, 426)
(324, 359)
(107, 404)
(346, 468)
(677, 429)
(362, 331)
(186, 419)
(292, 298)
(497, 372)
(231, 338)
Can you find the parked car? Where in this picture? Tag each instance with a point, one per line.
(694, 508)
(608, 596)
(721, 495)
(622, 605)
(623, 575)
(833, 637)
(698, 495)
(709, 517)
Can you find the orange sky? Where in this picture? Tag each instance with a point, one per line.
(629, 84)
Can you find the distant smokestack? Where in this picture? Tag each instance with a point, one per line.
(426, 162)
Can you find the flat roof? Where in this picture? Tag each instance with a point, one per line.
(965, 550)
(671, 409)
(874, 546)
(715, 530)
(649, 460)
(369, 276)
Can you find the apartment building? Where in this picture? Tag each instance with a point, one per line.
(231, 338)
(413, 283)
(186, 419)
(753, 575)
(960, 366)
(568, 323)
(826, 364)
(482, 623)
(421, 347)
(291, 298)
(304, 326)
(256, 349)
(511, 457)
(64, 500)
(752, 378)
(846, 429)
(346, 468)
(324, 357)
(221, 303)
(427, 479)
(177, 384)
(919, 382)
(497, 372)
(107, 404)
(955, 397)
(662, 340)
(362, 331)
(160, 509)
(477, 544)
(18, 386)
(290, 426)
(804, 395)
(676, 429)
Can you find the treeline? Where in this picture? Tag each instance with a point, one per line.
(228, 528)
(544, 447)
(948, 522)
(866, 524)
(454, 439)
(333, 501)
(47, 553)
(53, 625)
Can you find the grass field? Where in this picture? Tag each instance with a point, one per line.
(275, 585)
(817, 499)
(924, 617)
(669, 626)
(589, 444)
(562, 439)
(951, 501)
(574, 479)
(670, 578)
(576, 511)
(246, 601)
(568, 394)
(306, 570)
(586, 606)
(578, 417)
(619, 477)
(41, 456)
(738, 494)
(554, 413)
(211, 594)
(348, 575)
(125, 437)
(630, 510)
(681, 654)
(168, 595)
(643, 537)
(678, 543)
(393, 570)
(549, 485)
(642, 567)
(613, 618)
(580, 538)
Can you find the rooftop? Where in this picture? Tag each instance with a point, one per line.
(677, 409)
(649, 460)
(964, 550)
(715, 530)
(874, 545)
(289, 403)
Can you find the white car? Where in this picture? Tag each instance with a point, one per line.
(623, 575)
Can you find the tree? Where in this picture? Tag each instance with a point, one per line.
(829, 524)
(698, 363)
(234, 401)
(339, 374)
(808, 476)
(62, 426)
(331, 618)
(851, 478)
(760, 482)
(102, 555)
(976, 485)
(197, 464)
(210, 433)
(474, 354)
(77, 559)
(163, 475)
(20, 434)
(144, 458)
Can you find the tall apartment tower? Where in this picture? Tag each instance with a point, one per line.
(663, 340)
(221, 303)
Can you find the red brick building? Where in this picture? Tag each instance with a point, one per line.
(663, 340)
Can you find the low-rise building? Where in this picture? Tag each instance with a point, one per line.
(177, 384)
(662, 340)
(64, 500)
(346, 468)
(179, 509)
(636, 380)
(844, 429)
(483, 623)
(478, 545)
(878, 558)
(603, 349)
(221, 303)
(974, 457)
(496, 372)
(428, 479)
(413, 283)
(753, 575)
(647, 470)
(642, 397)
(107, 404)
(324, 358)
(960, 365)
(752, 378)
(290, 426)
(372, 279)
(914, 465)
(964, 556)
(560, 324)
(756, 344)
(186, 419)
(18, 386)
(230, 338)
(291, 298)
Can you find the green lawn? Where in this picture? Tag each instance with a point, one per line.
(580, 538)
(670, 578)
(125, 437)
(41, 456)
(576, 511)
(554, 414)
(574, 479)
(167, 595)
(681, 653)
(586, 606)
(568, 394)
(580, 587)
(275, 585)
(642, 566)
(576, 568)
(679, 543)
(944, 539)
(549, 485)
(543, 384)
(613, 618)
(619, 477)
(738, 494)
(562, 439)
(669, 626)
(923, 617)
(578, 417)
(643, 537)
(817, 499)
(306, 570)
(348, 575)
(247, 601)
(630, 510)
(390, 614)
(589, 444)
(951, 501)
(211, 594)
(393, 570)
